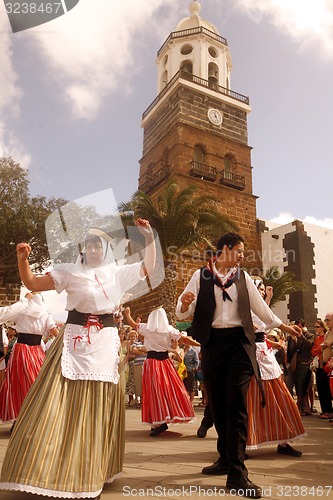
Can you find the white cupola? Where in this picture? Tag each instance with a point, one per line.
(195, 48)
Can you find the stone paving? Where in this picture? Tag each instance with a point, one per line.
(169, 466)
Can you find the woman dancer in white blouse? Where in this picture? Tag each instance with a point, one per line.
(27, 355)
(280, 420)
(76, 401)
(164, 397)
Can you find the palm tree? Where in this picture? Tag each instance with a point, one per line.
(184, 221)
(283, 284)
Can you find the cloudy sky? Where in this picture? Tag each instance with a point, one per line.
(72, 92)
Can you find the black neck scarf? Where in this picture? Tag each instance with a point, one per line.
(218, 282)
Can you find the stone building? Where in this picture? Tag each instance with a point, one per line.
(195, 130)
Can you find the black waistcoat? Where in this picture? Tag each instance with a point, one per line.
(204, 312)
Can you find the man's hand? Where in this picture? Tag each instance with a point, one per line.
(186, 299)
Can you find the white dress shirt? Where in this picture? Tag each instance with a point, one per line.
(226, 313)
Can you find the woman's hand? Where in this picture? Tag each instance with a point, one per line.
(269, 294)
(23, 251)
(149, 260)
(293, 330)
(31, 281)
(144, 227)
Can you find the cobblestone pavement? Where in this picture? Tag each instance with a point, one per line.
(169, 466)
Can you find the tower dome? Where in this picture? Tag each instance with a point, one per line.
(194, 20)
(195, 50)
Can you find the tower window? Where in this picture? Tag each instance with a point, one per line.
(164, 79)
(187, 67)
(228, 163)
(213, 52)
(199, 154)
(186, 49)
(213, 73)
(165, 60)
(165, 158)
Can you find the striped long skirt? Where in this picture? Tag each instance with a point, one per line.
(278, 422)
(164, 397)
(69, 437)
(23, 367)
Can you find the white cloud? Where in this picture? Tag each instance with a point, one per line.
(287, 217)
(89, 52)
(308, 22)
(283, 218)
(326, 222)
(10, 93)
(90, 49)
(11, 146)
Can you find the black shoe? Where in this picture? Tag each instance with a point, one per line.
(217, 469)
(288, 450)
(12, 427)
(244, 487)
(202, 431)
(158, 430)
(246, 456)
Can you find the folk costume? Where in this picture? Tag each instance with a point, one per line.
(222, 324)
(164, 397)
(280, 420)
(76, 400)
(8, 313)
(26, 358)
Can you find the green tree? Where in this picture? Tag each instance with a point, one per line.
(22, 218)
(184, 220)
(283, 284)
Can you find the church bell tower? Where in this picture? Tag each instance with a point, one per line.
(195, 130)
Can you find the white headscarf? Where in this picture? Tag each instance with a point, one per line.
(158, 321)
(105, 239)
(257, 281)
(36, 307)
(81, 269)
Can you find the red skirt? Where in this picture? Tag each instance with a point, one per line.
(23, 367)
(279, 421)
(164, 397)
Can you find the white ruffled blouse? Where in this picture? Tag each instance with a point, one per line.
(93, 353)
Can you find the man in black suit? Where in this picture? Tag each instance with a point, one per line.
(220, 298)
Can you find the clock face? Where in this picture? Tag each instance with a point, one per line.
(215, 116)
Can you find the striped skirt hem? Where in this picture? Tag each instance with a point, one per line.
(278, 422)
(164, 397)
(24, 365)
(272, 443)
(168, 420)
(22, 488)
(68, 439)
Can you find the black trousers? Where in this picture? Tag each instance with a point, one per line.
(324, 391)
(207, 420)
(227, 372)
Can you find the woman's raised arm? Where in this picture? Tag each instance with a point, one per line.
(30, 280)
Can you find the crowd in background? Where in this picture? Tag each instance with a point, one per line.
(307, 366)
